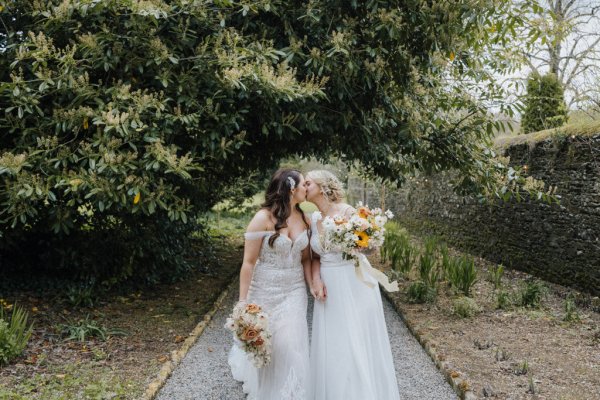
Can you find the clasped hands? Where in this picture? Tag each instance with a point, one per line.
(318, 290)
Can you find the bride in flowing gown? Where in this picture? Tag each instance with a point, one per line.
(350, 355)
(273, 274)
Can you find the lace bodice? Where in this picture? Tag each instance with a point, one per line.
(285, 253)
(278, 269)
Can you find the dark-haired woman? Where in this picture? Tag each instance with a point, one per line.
(274, 273)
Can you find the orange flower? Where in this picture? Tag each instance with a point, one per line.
(364, 212)
(259, 342)
(249, 334)
(340, 221)
(252, 308)
(363, 239)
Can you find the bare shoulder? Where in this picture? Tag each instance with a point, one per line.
(260, 222)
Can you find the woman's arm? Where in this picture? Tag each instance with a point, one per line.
(306, 265)
(252, 251)
(318, 289)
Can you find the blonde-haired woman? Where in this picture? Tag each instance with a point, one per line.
(350, 355)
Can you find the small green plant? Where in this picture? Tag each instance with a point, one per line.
(532, 389)
(406, 259)
(571, 313)
(463, 274)
(496, 274)
(99, 354)
(532, 293)
(428, 270)
(502, 354)
(86, 328)
(14, 334)
(431, 245)
(445, 261)
(81, 295)
(398, 251)
(503, 300)
(465, 307)
(522, 369)
(419, 292)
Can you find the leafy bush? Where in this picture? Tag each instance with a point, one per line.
(531, 294)
(463, 274)
(429, 272)
(81, 295)
(503, 300)
(571, 313)
(113, 252)
(420, 292)
(397, 250)
(495, 276)
(14, 334)
(139, 128)
(545, 106)
(465, 307)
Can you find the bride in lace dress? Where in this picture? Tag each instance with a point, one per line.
(273, 274)
(350, 356)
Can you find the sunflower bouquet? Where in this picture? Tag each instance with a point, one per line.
(250, 327)
(363, 230)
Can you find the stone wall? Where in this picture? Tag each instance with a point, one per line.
(559, 243)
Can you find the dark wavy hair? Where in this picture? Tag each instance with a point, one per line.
(277, 199)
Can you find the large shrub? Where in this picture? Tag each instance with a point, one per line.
(141, 114)
(545, 106)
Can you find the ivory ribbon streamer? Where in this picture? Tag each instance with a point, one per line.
(364, 267)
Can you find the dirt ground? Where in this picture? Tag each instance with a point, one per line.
(516, 353)
(490, 349)
(155, 322)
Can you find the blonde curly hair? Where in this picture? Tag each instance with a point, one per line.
(331, 187)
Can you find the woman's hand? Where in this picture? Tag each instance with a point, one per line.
(318, 290)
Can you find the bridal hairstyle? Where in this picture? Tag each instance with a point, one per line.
(331, 187)
(277, 199)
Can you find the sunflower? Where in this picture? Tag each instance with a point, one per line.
(363, 239)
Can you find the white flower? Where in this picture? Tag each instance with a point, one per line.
(328, 223)
(389, 214)
(355, 220)
(380, 221)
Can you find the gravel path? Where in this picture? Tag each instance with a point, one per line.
(204, 373)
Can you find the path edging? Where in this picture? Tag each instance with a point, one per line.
(177, 355)
(459, 385)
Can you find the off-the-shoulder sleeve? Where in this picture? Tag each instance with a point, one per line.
(256, 235)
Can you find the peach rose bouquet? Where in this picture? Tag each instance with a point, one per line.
(360, 232)
(250, 327)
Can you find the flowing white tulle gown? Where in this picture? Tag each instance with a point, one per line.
(350, 356)
(278, 286)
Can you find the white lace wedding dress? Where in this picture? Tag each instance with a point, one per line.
(350, 356)
(278, 286)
